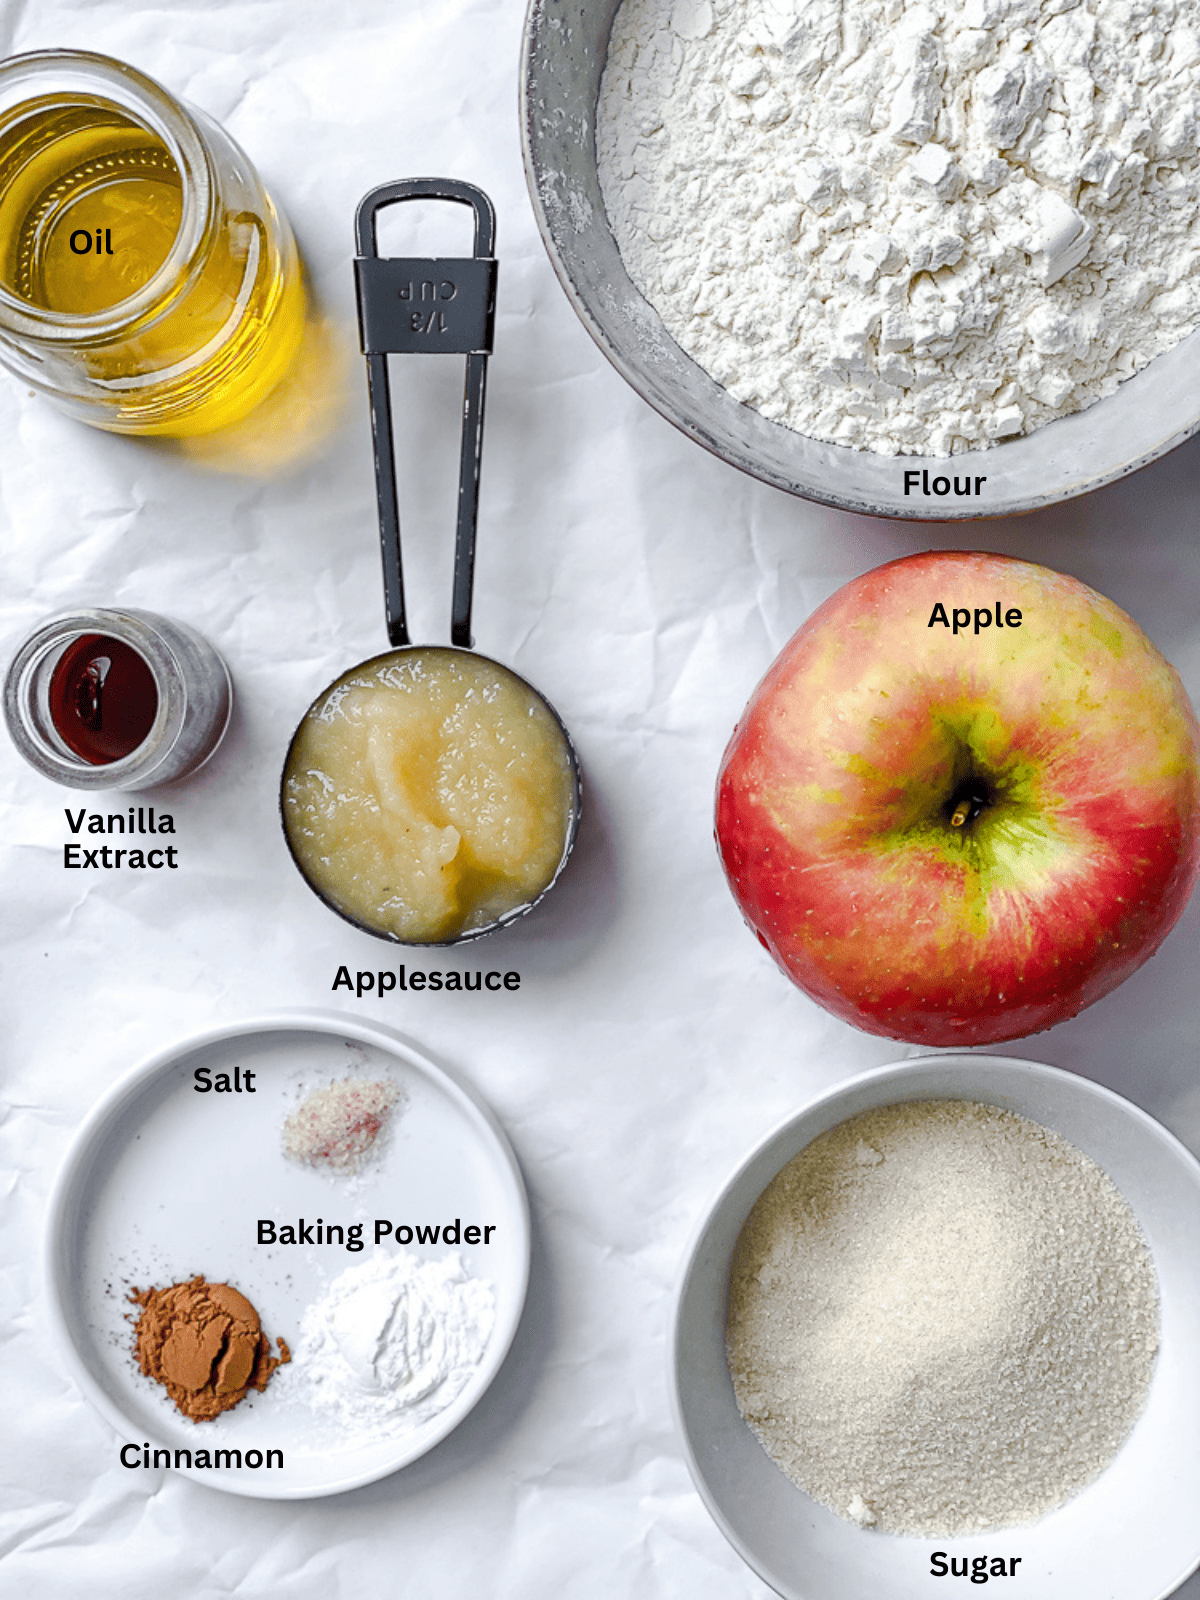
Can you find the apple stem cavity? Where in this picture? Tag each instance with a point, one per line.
(967, 801)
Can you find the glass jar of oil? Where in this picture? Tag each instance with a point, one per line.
(147, 283)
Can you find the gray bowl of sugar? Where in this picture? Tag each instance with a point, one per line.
(565, 48)
(1131, 1532)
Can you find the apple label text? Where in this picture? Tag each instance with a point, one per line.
(960, 618)
(978, 1568)
(940, 485)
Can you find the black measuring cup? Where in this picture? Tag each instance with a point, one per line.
(410, 305)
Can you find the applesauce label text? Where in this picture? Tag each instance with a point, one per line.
(138, 820)
(384, 982)
(959, 619)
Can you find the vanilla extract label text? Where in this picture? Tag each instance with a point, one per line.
(138, 820)
(959, 618)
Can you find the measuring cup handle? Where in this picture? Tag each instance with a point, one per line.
(418, 304)
(425, 189)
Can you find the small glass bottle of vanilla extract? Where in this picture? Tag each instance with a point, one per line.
(107, 699)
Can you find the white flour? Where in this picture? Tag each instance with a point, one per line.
(909, 227)
(392, 1342)
(943, 1318)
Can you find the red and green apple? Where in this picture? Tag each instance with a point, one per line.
(964, 802)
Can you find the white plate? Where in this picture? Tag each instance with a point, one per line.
(163, 1183)
(1133, 1534)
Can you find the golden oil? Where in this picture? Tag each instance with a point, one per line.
(91, 213)
(146, 279)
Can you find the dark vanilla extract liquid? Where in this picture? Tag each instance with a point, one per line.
(103, 699)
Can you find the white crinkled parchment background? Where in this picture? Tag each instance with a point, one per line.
(643, 586)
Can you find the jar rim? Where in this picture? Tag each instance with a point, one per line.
(150, 106)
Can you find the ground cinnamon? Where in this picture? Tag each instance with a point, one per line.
(204, 1343)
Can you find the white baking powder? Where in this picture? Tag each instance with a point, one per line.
(910, 226)
(392, 1342)
(943, 1318)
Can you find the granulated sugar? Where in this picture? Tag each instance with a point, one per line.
(943, 1319)
(912, 226)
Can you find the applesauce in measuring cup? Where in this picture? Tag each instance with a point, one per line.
(429, 794)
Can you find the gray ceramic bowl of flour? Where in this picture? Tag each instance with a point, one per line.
(1133, 1534)
(565, 45)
